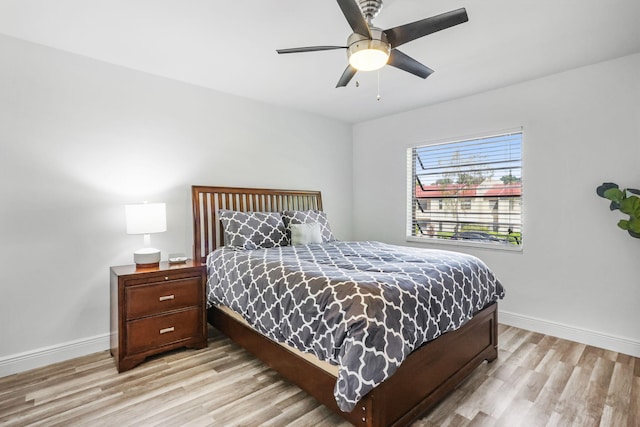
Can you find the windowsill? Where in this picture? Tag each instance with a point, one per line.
(467, 244)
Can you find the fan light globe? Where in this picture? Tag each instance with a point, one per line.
(368, 59)
(368, 55)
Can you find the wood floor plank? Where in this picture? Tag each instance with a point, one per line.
(482, 420)
(570, 401)
(574, 353)
(470, 407)
(291, 410)
(515, 413)
(496, 404)
(596, 392)
(618, 397)
(537, 380)
(540, 413)
(550, 360)
(533, 386)
(634, 403)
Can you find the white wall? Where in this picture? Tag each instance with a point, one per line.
(80, 138)
(578, 275)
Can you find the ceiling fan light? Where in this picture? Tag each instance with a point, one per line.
(368, 55)
(368, 59)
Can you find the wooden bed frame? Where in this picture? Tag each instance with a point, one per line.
(425, 377)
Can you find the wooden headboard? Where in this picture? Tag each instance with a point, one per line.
(206, 201)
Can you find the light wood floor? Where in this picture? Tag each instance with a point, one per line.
(537, 381)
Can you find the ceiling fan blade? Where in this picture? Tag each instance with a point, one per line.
(351, 11)
(398, 36)
(309, 49)
(346, 77)
(405, 62)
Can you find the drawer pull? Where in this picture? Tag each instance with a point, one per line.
(165, 330)
(166, 277)
(167, 297)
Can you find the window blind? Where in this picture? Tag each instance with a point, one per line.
(467, 190)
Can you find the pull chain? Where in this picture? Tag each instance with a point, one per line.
(378, 97)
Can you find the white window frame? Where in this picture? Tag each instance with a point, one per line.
(410, 224)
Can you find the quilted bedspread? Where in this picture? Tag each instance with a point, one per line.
(363, 306)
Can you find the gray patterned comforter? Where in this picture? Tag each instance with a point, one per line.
(363, 306)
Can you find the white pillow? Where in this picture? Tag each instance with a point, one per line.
(299, 217)
(307, 233)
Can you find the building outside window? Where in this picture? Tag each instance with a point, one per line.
(478, 185)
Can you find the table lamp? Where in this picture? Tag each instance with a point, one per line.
(146, 218)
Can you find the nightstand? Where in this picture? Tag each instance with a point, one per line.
(156, 309)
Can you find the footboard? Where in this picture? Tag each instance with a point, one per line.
(425, 377)
(434, 370)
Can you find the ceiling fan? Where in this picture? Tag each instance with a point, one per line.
(370, 48)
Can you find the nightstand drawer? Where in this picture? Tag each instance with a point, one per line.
(151, 332)
(155, 298)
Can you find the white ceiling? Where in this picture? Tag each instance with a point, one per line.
(230, 45)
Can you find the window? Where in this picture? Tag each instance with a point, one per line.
(478, 185)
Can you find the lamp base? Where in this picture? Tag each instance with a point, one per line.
(147, 257)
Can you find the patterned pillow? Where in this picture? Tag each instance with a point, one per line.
(253, 230)
(303, 217)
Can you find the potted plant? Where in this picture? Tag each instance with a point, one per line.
(627, 201)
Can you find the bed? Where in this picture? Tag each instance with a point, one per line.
(422, 379)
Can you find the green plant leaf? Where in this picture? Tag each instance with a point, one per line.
(630, 205)
(624, 224)
(604, 187)
(634, 225)
(636, 207)
(614, 194)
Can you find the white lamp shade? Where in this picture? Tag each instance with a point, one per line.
(146, 218)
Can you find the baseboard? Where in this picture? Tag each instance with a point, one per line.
(584, 336)
(44, 356)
